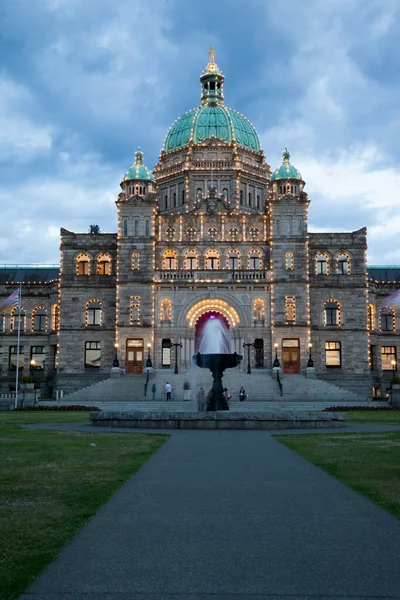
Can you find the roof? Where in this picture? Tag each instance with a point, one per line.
(384, 274)
(286, 170)
(138, 171)
(28, 273)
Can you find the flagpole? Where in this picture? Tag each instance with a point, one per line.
(18, 340)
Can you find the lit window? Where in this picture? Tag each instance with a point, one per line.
(212, 259)
(135, 261)
(199, 193)
(333, 354)
(388, 355)
(290, 310)
(332, 312)
(55, 317)
(170, 260)
(322, 264)
(212, 233)
(343, 264)
(191, 260)
(166, 311)
(92, 355)
(39, 319)
(191, 233)
(83, 264)
(38, 358)
(93, 313)
(388, 319)
(233, 259)
(289, 261)
(259, 311)
(104, 265)
(135, 310)
(225, 193)
(234, 233)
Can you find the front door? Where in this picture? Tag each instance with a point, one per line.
(291, 356)
(134, 356)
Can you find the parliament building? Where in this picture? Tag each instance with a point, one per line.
(212, 231)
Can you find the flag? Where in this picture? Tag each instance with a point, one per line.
(10, 302)
(392, 300)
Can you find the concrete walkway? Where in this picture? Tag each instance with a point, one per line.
(229, 516)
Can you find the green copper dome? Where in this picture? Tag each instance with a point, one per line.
(286, 170)
(212, 118)
(138, 171)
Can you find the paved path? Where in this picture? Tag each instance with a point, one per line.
(229, 516)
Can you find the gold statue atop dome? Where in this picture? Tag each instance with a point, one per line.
(211, 52)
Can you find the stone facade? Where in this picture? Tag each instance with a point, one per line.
(212, 233)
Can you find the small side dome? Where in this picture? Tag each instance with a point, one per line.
(138, 171)
(286, 170)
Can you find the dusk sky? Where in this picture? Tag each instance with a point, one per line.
(84, 82)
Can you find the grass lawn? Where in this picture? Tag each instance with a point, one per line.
(369, 463)
(51, 484)
(388, 417)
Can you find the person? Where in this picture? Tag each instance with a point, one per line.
(201, 400)
(227, 395)
(242, 394)
(153, 391)
(168, 389)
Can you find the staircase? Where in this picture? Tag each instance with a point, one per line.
(260, 387)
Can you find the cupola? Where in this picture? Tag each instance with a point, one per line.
(138, 180)
(286, 178)
(212, 82)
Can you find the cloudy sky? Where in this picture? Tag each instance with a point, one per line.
(84, 82)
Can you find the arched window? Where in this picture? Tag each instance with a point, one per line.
(83, 264)
(135, 261)
(254, 233)
(135, 309)
(258, 311)
(166, 311)
(233, 259)
(234, 233)
(39, 319)
(322, 264)
(343, 264)
(212, 233)
(170, 233)
(241, 196)
(290, 310)
(55, 317)
(104, 264)
(254, 260)
(191, 233)
(18, 314)
(170, 260)
(387, 319)
(212, 259)
(371, 317)
(93, 312)
(332, 312)
(191, 260)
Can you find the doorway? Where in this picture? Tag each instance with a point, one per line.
(134, 356)
(259, 352)
(291, 356)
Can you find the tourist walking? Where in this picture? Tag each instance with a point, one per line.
(242, 394)
(201, 400)
(153, 391)
(168, 389)
(186, 391)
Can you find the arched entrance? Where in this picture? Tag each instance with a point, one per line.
(200, 324)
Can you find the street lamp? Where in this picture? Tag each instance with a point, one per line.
(32, 363)
(393, 363)
(148, 369)
(177, 345)
(310, 360)
(276, 361)
(248, 345)
(116, 361)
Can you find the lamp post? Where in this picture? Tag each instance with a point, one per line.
(276, 361)
(148, 369)
(248, 345)
(177, 345)
(32, 363)
(116, 361)
(393, 363)
(310, 360)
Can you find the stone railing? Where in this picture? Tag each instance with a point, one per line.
(213, 275)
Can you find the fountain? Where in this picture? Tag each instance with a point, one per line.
(215, 354)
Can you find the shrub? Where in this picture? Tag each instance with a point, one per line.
(359, 408)
(58, 408)
(26, 379)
